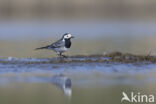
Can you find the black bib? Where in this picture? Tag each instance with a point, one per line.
(67, 43)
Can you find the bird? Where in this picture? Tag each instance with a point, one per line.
(61, 45)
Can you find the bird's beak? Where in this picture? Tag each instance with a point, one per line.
(72, 37)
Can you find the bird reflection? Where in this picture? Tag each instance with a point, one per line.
(63, 82)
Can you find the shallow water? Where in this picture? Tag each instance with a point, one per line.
(38, 81)
(36, 78)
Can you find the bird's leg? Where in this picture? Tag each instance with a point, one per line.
(63, 55)
(59, 54)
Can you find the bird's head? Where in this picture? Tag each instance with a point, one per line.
(67, 36)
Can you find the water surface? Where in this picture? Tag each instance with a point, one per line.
(38, 81)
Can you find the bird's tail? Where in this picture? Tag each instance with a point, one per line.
(46, 47)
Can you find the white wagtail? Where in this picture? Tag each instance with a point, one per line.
(61, 45)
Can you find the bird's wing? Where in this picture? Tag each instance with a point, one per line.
(58, 44)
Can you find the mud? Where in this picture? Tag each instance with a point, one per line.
(116, 57)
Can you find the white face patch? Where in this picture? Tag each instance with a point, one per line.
(67, 36)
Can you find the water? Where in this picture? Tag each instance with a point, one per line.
(38, 81)
(39, 77)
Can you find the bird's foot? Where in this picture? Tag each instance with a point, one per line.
(64, 56)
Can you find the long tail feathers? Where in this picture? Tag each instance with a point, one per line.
(46, 47)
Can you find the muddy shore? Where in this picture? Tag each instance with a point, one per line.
(116, 57)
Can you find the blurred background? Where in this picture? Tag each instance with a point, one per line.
(100, 26)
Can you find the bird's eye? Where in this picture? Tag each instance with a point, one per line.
(67, 36)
